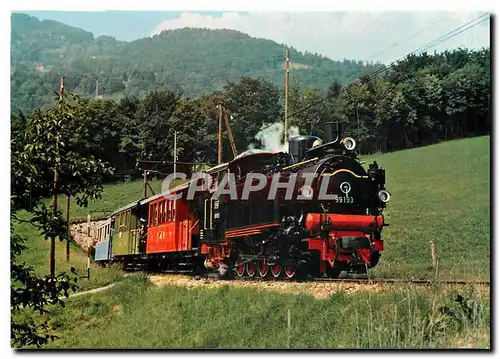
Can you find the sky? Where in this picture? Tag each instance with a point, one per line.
(382, 36)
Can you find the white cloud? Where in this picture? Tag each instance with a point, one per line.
(346, 35)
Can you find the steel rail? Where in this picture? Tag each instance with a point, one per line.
(404, 281)
(348, 280)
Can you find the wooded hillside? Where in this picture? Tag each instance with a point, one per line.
(186, 61)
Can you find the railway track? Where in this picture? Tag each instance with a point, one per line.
(367, 281)
(405, 281)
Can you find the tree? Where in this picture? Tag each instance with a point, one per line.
(154, 113)
(45, 160)
(253, 102)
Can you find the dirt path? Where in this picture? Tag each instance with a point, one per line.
(91, 291)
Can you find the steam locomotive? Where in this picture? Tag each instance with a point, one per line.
(313, 210)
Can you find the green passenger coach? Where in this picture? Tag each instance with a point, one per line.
(127, 228)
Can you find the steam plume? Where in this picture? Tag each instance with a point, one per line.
(271, 137)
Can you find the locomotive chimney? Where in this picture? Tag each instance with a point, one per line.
(332, 131)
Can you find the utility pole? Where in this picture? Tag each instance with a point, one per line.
(96, 88)
(52, 261)
(145, 181)
(69, 233)
(219, 157)
(287, 77)
(175, 154)
(230, 133)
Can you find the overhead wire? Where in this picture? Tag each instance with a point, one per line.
(429, 45)
(408, 38)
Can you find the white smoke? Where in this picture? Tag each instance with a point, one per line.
(271, 137)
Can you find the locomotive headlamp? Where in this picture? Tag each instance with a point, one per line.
(349, 143)
(384, 196)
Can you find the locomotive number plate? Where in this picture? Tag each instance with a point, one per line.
(346, 199)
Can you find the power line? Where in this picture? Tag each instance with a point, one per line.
(433, 43)
(408, 38)
(462, 31)
(421, 49)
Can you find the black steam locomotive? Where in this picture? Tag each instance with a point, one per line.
(325, 216)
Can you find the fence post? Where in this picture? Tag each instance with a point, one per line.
(288, 329)
(433, 254)
(88, 262)
(88, 225)
(69, 231)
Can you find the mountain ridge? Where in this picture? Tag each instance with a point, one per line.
(191, 61)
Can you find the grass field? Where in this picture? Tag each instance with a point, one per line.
(114, 196)
(37, 256)
(133, 314)
(439, 193)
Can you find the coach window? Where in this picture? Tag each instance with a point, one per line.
(125, 222)
(166, 211)
(163, 212)
(160, 212)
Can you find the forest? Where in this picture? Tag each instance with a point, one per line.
(422, 100)
(188, 62)
(152, 87)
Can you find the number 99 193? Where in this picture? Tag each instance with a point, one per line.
(344, 199)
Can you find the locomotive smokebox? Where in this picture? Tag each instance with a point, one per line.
(298, 146)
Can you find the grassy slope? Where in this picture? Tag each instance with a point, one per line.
(134, 315)
(37, 256)
(439, 193)
(114, 196)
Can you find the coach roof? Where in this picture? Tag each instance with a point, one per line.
(124, 208)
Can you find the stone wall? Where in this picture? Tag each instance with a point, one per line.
(79, 233)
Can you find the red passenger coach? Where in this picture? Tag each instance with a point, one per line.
(171, 226)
